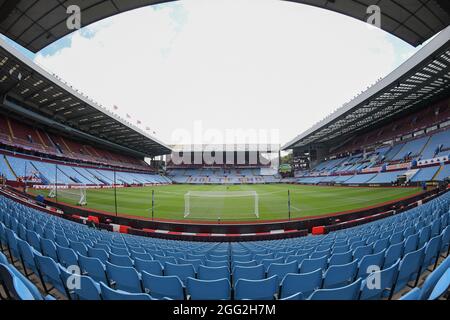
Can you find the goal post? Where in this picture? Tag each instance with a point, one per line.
(209, 202)
(77, 194)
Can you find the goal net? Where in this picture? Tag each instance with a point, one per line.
(76, 195)
(221, 204)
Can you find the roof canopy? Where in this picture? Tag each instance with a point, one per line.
(35, 24)
(30, 91)
(423, 78)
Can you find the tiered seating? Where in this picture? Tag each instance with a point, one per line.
(220, 176)
(332, 266)
(19, 135)
(425, 174)
(45, 173)
(411, 149)
(420, 120)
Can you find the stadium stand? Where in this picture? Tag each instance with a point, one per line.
(40, 172)
(112, 267)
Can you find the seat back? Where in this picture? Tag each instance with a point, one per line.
(306, 283)
(249, 273)
(125, 278)
(208, 289)
(349, 292)
(264, 289)
(213, 273)
(182, 271)
(149, 266)
(163, 286)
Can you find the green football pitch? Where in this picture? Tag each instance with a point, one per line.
(231, 203)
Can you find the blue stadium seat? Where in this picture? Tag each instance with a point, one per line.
(282, 269)
(140, 255)
(49, 273)
(79, 247)
(123, 261)
(182, 271)
(264, 289)
(213, 273)
(309, 265)
(49, 249)
(340, 275)
(11, 241)
(216, 264)
(340, 249)
(119, 251)
(208, 289)
(149, 266)
(386, 277)
(195, 263)
(93, 268)
(67, 256)
(393, 253)
(441, 287)
(432, 251)
(243, 258)
(295, 297)
(160, 287)
(14, 287)
(409, 269)
(260, 257)
(362, 251)
(111, 294)
(367, 262)
(424, 235)
(267, 262)
(432, 279)
(251, 263)
(298, 258)
(411, 243)
(249, 273)
(341, 258)
(88, 289)
(123, 278)
(98, 253)
(349, 292)
(381, 245)
(27, 257)
(30, 286)
(445, 246)
(305, 283)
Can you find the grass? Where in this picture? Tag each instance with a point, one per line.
(169, 201)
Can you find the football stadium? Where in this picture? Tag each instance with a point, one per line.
(355, 207)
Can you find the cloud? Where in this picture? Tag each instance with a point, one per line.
(262, 64)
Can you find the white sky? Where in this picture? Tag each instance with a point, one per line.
(265, 65)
